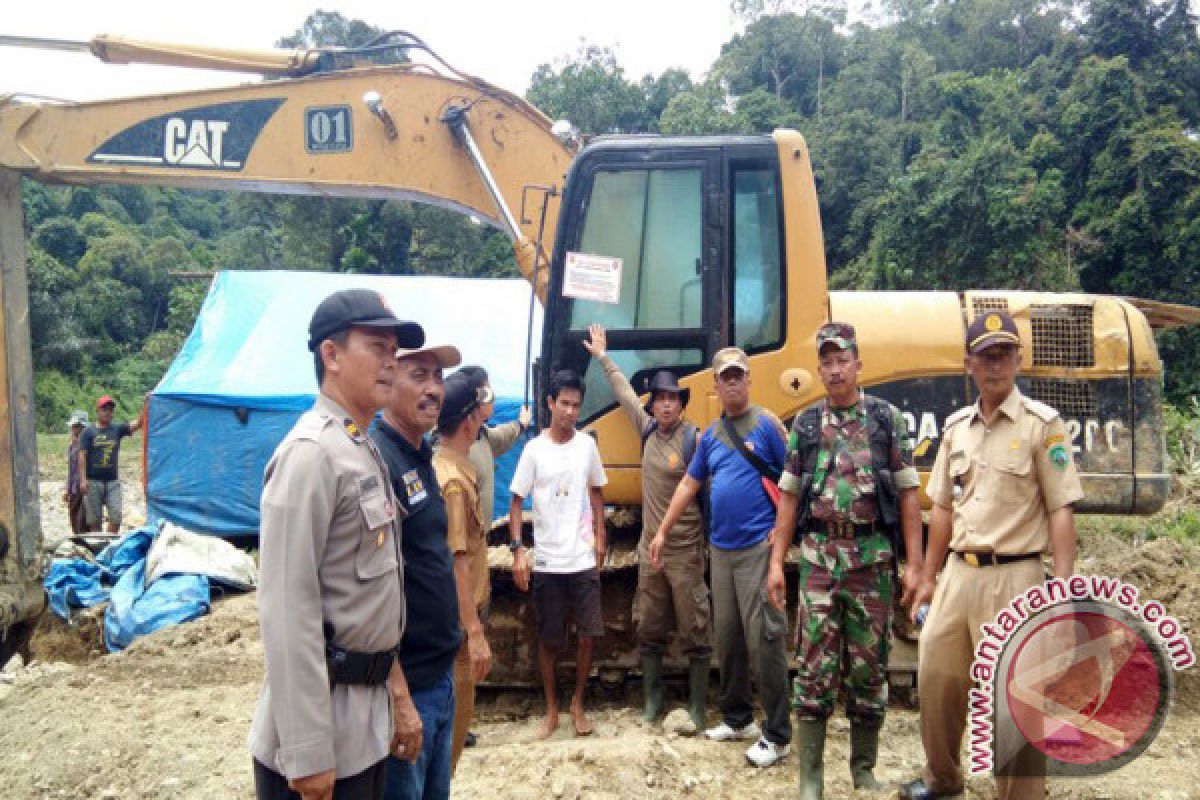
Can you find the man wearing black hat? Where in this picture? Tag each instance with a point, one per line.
(1002, 488)
(331, 592)
(675, 596)
(458, 429)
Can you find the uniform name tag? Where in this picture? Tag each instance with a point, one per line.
(414, 488)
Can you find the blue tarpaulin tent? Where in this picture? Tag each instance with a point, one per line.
(245, 375)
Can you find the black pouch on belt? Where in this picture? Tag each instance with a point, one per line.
(352, 668)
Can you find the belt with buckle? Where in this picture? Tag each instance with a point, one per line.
(993, 559)
(842, 528)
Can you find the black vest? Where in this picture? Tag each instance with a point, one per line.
(880, 433)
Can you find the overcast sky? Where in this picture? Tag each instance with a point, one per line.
(503, 42)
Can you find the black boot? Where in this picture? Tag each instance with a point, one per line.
(864, 750)
(652, 685)
(698, 671)
(810, 749)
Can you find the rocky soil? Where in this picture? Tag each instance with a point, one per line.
(168, 717)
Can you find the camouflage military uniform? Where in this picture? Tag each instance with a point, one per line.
(847, 582)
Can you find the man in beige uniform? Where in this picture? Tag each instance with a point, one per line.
(331, 595)
(675, 596)
(458, 427)
(1002, 488)
(493, 441)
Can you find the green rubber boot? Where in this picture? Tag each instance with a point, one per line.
(864, 749)
(652, 685)
(810, 748)
(698, 670)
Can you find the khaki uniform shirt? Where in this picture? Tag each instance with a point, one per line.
(1003, 479)
(492, 442)
(464, 529)
(330, 554)
(663, 467)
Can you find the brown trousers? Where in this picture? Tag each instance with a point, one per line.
(464, 704)
(673, 598)
(966, 598)
(77, 513)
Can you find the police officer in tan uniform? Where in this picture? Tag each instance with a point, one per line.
(1002, 487)
(331, 595)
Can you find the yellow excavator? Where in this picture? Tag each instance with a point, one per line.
(677, 245)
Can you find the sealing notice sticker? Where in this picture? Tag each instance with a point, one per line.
(588, 277)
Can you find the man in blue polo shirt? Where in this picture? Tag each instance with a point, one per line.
(750, 631)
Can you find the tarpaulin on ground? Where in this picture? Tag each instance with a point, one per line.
(245, 375)
(153, 577)
(79, 583)
(135, 609)
(176, 550)
(74, 583)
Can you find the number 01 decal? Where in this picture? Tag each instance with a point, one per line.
(327, 129)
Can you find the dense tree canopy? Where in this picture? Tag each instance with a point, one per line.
(956, 144)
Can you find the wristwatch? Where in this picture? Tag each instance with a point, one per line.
(514, 546)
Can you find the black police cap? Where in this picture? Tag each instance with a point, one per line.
(359, 308)
(991, 328)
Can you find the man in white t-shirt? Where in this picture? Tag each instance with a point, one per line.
(562, 471)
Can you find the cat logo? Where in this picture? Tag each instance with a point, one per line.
(217, 137)
(195, 144)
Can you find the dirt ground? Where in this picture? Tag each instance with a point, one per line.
(169, 716)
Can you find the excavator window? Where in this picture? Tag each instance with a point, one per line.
(757, 257)
(650, 219)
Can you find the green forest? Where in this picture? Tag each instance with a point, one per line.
(961, 144)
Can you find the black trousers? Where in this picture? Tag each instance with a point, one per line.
(366, 785)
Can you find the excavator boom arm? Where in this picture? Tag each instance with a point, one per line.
(380, 132)
(268, 63)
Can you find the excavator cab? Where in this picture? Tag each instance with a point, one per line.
(698, 230)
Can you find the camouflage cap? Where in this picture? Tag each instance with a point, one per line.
(728, 358)
(840, 334)
(994, 327)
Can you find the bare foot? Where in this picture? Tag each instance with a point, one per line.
(583, 726)
(548, 727)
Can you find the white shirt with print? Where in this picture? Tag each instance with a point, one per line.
(557, 477)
